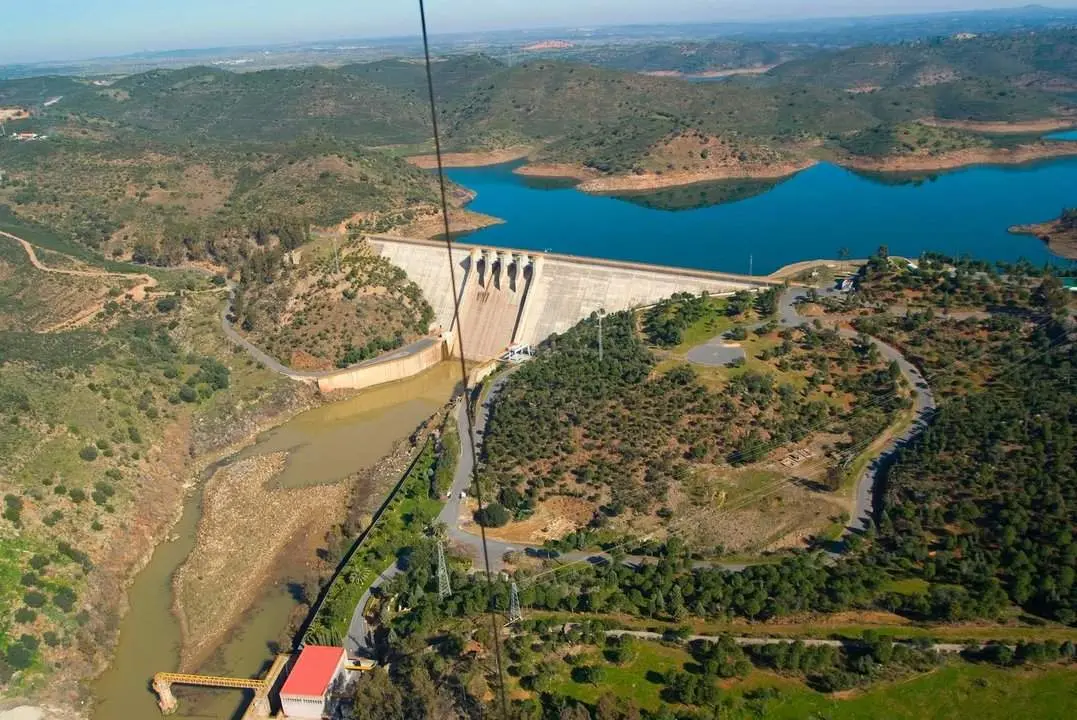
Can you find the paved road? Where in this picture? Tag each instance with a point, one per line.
(924, 405)
(455, 505)
(273, 364)
(359, 641)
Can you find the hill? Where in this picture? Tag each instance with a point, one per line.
(683, 58)
(314, 308)
(1042, 60)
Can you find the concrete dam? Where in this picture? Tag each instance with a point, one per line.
(521, 297)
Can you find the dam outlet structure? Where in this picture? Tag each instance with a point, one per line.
(509, 297)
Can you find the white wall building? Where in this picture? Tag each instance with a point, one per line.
(306, 690)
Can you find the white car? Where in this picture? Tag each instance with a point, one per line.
(463, 495)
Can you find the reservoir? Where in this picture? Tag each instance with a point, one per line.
(735, 226)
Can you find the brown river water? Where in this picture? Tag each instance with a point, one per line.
(324, 445)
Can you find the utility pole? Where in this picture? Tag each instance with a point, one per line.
(751, 264)
(444, 589)
(601, 314)
(515, 615)
(336, 255)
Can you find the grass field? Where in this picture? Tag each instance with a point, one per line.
(957, 690)
(638, 680)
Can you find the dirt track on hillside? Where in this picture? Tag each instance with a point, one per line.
(138, 293)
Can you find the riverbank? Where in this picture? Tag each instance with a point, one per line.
(1061, 239)
(245, 526)
(960, 158)
(431, 227)
(592, 181)
(480, 158)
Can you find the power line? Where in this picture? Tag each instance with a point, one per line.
(469, 407)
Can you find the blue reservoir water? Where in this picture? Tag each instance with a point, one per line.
(812, 215)
(1066, 135)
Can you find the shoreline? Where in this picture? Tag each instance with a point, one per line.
(962, 158)
(193, 482)
(593, 182)
(480, 158)
(1060, 241)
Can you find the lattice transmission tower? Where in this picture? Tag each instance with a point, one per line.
(515, 615)
(444, 588)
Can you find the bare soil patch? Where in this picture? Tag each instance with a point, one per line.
(1017, 128)
(553, 518)
(471, 159)
(244, 528)
(432, 225)
(962, 158)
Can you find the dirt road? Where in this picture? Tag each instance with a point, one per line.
(138, 293)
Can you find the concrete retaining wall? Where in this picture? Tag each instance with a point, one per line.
(366, 376)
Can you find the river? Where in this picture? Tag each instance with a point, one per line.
(764, 225)
(325, 444)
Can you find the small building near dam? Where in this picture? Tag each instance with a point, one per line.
(312, 678)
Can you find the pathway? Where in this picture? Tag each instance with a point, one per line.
(810, 642)
(271, 363)
(924, 406)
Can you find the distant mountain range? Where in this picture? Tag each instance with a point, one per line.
(511, 45)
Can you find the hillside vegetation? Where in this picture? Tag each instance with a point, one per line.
(314, 308)
(308, 143)
(630, 437)
(99, 426)
(1041, 60)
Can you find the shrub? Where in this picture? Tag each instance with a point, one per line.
(88, 453)
(493, 515)
(25, 615)
(33, 599)
(64, 598)
(77, 495)
(188, 394)
(167, 304)
(19, 656)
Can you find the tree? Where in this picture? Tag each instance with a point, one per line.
(377, 697)
(493, 515)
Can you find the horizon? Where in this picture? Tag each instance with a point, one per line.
(682, 12)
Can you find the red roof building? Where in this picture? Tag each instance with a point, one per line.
(307, 688)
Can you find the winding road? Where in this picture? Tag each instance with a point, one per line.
(138, 293)
(271, 363)
(456, 518)
(924, 406)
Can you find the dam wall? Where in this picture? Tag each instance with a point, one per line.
(522, 297)
(395, 366)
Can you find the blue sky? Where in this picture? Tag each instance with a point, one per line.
(32, 30)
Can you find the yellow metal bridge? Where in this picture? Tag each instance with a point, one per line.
(209, 681)
(163, 682)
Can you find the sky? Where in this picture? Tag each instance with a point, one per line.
(36, 30)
